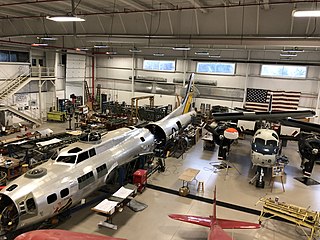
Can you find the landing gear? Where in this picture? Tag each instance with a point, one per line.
(260, 181)
(258, 178)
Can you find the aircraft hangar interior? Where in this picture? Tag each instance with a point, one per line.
(198, 117)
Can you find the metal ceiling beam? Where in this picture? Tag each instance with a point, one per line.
(28, 2)
(170, 23)
(134, 4)
(198, 5)
(122, 24)
(89, 7)
(42, 11)
(13, 26)
(226, 19)
(28, 25)
(258, 20)
(145, 23)
(196, 22)
(266, 5)
(101, 24)
(14, 13)
(153, 10)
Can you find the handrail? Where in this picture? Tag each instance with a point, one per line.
(42, 72)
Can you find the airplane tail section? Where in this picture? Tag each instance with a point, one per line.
(186, 103)
(214, 214)
(202, 221)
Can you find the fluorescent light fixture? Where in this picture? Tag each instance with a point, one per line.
(288, 54)
(309, 13)
(47, 38)
(39, 44)
(158, 54)
(292, 50)
(202, 53)
(65, 19)
(100, 46)
(111, 53)
(214, 56)
(82, 49)
(181, 48)
(134, 50)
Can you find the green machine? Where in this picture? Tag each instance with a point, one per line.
(57, 116)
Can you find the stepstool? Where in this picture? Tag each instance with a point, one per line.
(200, 187)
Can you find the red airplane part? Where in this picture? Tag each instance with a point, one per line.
(215, 224)
(56, 234)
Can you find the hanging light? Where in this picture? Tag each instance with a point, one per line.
(308, 13)
(67, 18)
(181, 48)
(39, 44)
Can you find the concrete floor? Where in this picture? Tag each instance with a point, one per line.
(153, 222)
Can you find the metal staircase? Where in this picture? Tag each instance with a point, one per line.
(20, 114)
(11, 86)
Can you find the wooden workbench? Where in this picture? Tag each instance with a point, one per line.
(189, 174)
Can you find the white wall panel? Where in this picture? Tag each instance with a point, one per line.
(75, 74)
(11, 70)
(115, 73)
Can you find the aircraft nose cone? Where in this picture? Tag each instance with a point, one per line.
(9, 215)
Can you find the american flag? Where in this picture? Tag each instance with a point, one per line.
(258, 100)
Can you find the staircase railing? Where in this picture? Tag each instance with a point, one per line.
(42, 72)
(9, 85)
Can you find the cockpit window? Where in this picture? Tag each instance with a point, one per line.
(67, 159)
(275, 136)
(272, 143)
(259, 141)
(75, 150)
(83, 156)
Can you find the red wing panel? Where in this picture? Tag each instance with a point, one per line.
(202, 221)
(61, 235)
(217, 233)
(232, 224)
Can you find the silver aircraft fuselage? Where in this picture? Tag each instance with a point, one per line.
(77, 171)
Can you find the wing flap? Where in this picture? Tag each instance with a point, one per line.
(202, 221)
(232, 224)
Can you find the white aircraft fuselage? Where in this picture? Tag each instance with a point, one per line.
(77, 171)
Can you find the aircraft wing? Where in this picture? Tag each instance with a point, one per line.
(262, 115)
(202, 221)
(217, 233)
(232, 224)
(61, 235)
(305, 126)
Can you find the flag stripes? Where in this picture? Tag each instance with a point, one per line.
(258, 100)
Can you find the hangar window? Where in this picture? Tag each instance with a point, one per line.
(13, 56)
(284, 71)
(216, 68)
(52, 198)
(159, 65)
